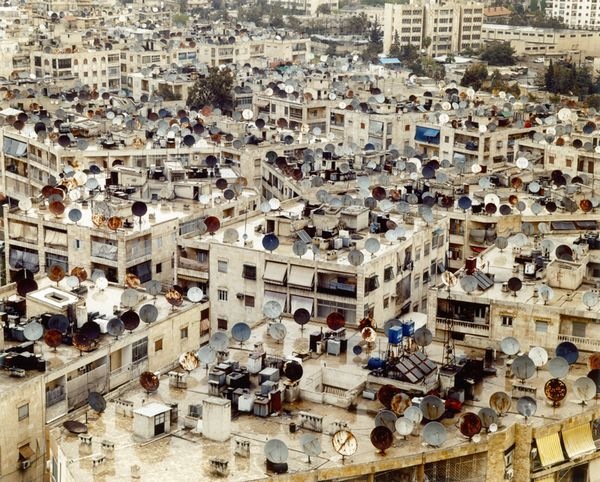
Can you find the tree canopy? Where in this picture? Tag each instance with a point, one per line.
(474, 76)
(499, 53)
(564, 77)
(215, 89)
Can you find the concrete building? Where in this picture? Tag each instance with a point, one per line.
(449, 27)
(305, 7)
(581, 14)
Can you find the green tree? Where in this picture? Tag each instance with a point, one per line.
(180, 19)
(564, 77)
(534, 5)
(450, 59)
(499, 53)
(395, 48)
(593, 101)
(375, 33)
(358, 24)
(215, 89)
(474, 76)
(426, 42)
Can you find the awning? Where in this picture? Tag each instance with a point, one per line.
(459, 157)
(587, 224)
(549, 449)
(19, 259)
(15, 148)
(562, 226)
(389, 60)
(205, 324)
(26, 452)
(15, 230)
(281, 298)
(578, 441)
(55, 238)
(548, 478)
(104, 251)
(426, 134)
(275, 272)
(302, 302)
(301, 276)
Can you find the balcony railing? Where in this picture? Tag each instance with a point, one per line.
(580, 341)
(461, 326)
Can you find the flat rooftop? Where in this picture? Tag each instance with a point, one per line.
(185, 454)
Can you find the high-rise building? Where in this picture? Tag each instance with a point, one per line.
(436, 27)
(582, 13)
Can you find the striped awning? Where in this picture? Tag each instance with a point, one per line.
(578, 441)
(549, 449)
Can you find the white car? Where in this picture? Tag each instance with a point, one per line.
(539, 60)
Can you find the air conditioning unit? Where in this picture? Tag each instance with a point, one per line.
(508, 473)
(240, 296)
(332, 254)
(25, 464)
(505, 288)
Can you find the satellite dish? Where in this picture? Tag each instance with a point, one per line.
(404, 426)
(558, 367)
(148, 313)
(33, 331)
(423, 336)
(590, 299)
(299, 247)
(293, 370)
(514, 285)
(174, 297)
(449, 279)
(523, 367)
(207, 355)
(270, 242)
(432, 407)
(400, 402)
(25, 204)
(568, 351)
(130, 319)
(25, 286)
(488, 417)
(434, 434)
(149, 381)
(153, 287)
(584, 389)
(510, 346)
(382, 438)
(468, 283)
(555, 390)
(53, 338)
(115, 327)
(129, 297)
(355, 257)
(195, 294)
(539, 356)
(526, 406)
(278, 331)
(188, 361)
(75, 427)
(469, 424)
(500, 402)
(311, 445)
(372, 245)
(241, 332)
(219, 341)
(546, 292)
(272, 309)
(96, 401)
(302, 316)
(56, 273)
(276, 451)
(501, 242)
(335, 321)
(345, 443)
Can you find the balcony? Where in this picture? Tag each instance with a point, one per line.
(337, 289)
(581, 342)
(460, 326)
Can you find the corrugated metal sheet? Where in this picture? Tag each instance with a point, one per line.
(549, 449)
(578, 441)
(483, 281)
(562, 226)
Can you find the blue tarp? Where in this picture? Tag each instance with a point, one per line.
(389, 60)
(426, 134)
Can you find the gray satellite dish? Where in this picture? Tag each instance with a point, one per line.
(33, 331)
(404, 426)
(299, 247)
(72, 281)
(115, 327)
(311, 445)
(526, 406)
(468, 283)
(276, 451)
(207, 355)
(153, 287)
(25, 204)
(523, 367)
(277, 331)
(129, 298)
(355, 257)
(219, 341)
(386, 418)
(544, 228)
(536, 208)
(195, 294)
(584, 389)
(432, 407)
(414, 413)
(423, 336)
(231, 236)
(272, 309)
(241, 332)
(148, 313)
(558, 367)
(510, 346)
(590, 299)
(434, 434)
(488, 417)
(372, 245)
(75, 215)
(501, 243)
(546, 293)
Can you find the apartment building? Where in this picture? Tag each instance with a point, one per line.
(449, 27)
(575, 14)
(305, 7)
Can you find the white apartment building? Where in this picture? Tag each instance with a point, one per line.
(308, 7)
(580, 13)
(451, 27)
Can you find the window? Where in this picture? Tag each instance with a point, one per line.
(78, 244)
(417, 281)
(23, 411)
(249, 301)
(541, 326)
(222, 266)
(221, 323)
(158, 345)
(507, 320)
(388, 273)
(158, 268)
(371, 283)
(139, 350)
(183, 332)
(222, 295)
(249, 271)
(578, 329)
(386, 302)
